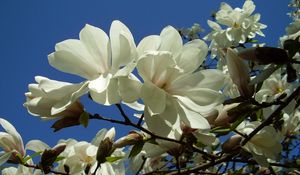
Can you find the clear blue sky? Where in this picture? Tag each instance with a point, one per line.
(29, 30)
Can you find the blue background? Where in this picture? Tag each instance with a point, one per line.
(30, 29)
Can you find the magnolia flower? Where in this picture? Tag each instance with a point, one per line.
(172, 94)
(266, 144)
(188, 57)
(10, 142)
(291, 123)
(81, 156)
(274, 87)
(51, 98)
(240, 24)
(98, 58)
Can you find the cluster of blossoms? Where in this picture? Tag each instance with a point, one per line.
(185, 107)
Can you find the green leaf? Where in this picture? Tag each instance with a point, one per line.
(84, 119)
(32, 156)
(136, 149)
(113, 159)
(221, 130)
(59, 158)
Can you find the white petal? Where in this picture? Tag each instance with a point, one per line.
(72, 56)
(148, 43)
(210, 79)
(105, 91)
(153, 97)
(248, 7)
(99, 137)
(36, 146)
(170, 40)
(215, 26)
(122, 44)
(97, 43)
(192, 55)
(4, 158)
(193, 119)
(129, 89)
(10, 129)
(9, 171)
(153, 65)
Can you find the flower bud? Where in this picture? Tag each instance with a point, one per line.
(265, 55)
(232, 143)
(132, 138)
(239, 73)
(105, 149)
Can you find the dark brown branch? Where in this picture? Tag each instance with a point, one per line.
(275, 114)
(37, 167)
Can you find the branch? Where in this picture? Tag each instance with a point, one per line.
(37, 167)
(275, 114)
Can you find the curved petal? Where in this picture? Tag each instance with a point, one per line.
(99, 137)
(153, 65)
(36, 146)
(122, 45)
(129, 89)
(97, 43)
(71, 56)
(192, 119)
(192, 55)
(148, 43)
(210, 79)
(170, 40)
(10, 129)
(106, 93)
(153, 97)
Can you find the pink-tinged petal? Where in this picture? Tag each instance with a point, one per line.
(71, 56)
(148, 43)
(170, 40)
(153, 97)
(98, 45)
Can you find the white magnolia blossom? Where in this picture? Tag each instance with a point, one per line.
(291, 123)
(10, 141)
(240, 26)
(274, 87)
(99, 59)
(188, 56)
(266, 144)
(51, 98)
(82, 155)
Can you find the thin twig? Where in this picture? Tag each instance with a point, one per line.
(275, 114)
(140, 120)
(37, 167)
(126, 118)
(142, 166)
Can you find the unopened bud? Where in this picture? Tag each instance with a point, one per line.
(65, 122)
(232, 143)
(105, 149)
(265, 55)
(239, 73)
(59, 148)
(131, 139)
